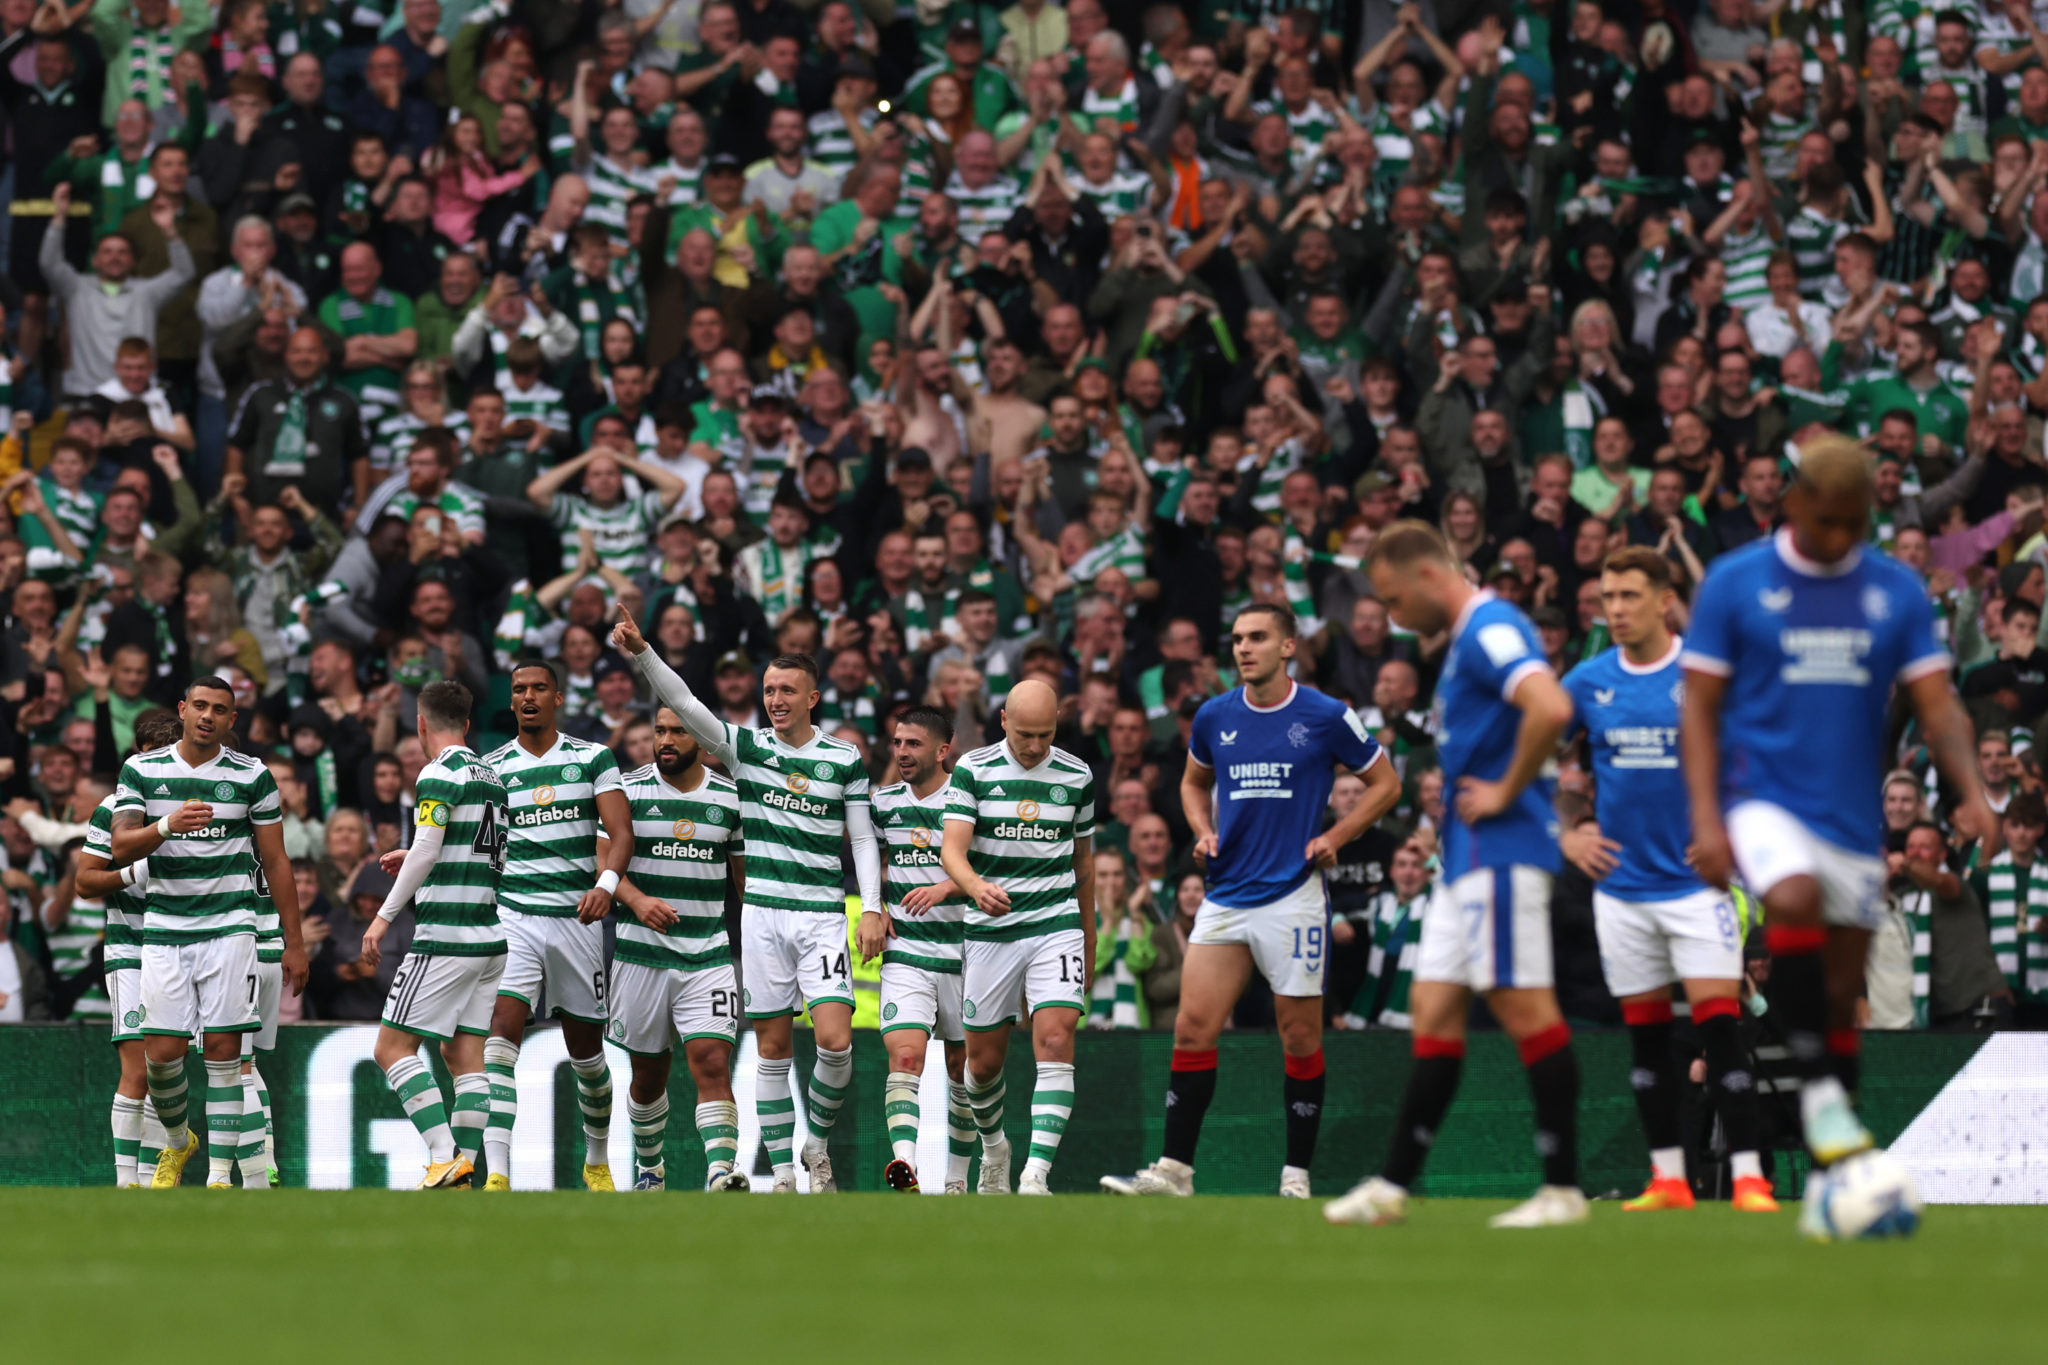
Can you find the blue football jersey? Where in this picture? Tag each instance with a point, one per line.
(1274, 770)
(1493, 647)
(1629, 716)
(1811, 653)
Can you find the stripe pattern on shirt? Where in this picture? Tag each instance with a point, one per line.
(551, 854)
(455, 911)
(912, 831)
(683, 846)
(202, 885)
(1026, 822)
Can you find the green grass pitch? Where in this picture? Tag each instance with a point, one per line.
(370, 1276)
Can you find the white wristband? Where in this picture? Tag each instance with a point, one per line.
(163, 828)
(135, 873)
(608, 882)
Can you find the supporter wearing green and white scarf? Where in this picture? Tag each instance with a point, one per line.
(2013, 889)
(139, 40)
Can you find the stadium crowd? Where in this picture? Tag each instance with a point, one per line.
(349, 348)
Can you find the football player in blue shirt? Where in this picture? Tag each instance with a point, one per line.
(1658, 922)
(1797, 642)
(1261, 761)
(1501, 713)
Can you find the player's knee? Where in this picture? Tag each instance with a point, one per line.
(1794, 902)
(1053, 1042)
(1300, 1038)
(1193, 1032)
(984, 1056)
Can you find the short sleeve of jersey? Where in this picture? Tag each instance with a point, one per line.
(562, 511)
(1084, 810)
(857, 791)
(652, 509)
(1503, 650)
(1710, 636)
(604, 774)
(99, 835)
(436, 795)
(1922, 649)
(1350, 743)
(266, 807)
(1575, 684)
(962, 795)
(128, 790)
(1198, 739)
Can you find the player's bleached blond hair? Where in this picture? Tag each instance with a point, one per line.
(1408, 542)
(1834, 464)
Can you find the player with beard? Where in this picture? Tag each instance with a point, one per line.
(921, 960)
(207, 818)
(672, 976)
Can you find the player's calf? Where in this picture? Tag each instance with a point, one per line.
(1731, 1086)
(1653, 1077)
(1301, 1091)
(900, 1107)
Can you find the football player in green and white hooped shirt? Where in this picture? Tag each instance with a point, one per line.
(1020, 834)
(138, 1137)
(447, 987)
(568, 816)
(672, 977)
(621, 524)
(206, 818)
(921, 955)
(802, 795)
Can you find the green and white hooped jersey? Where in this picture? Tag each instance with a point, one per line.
(1811, 238)
(551, 856)
(793, 804)
(1125, 550)
(1395, 144)
(71, 946)
(542, 403)
(124, 909)
(1121, 107)
(683, 844)
(202, 885)
(1305, 130)
(1747, 256)
(1286, 459)
(623, 534)
(612, 187)
(913, 829)
(984, 210)
(455, 911)
(1026, 822)
(831, 145)
(456, 501)
(1125, 193)
(393, 434)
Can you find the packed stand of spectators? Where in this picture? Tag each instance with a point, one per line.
(354, 347)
